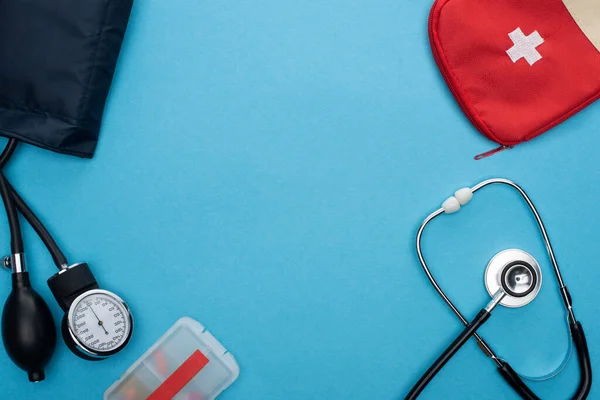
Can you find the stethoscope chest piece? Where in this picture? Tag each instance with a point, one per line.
(515, 272)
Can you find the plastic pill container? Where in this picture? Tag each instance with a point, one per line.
(186, 363)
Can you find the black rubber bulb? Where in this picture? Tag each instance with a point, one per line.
(28, 329)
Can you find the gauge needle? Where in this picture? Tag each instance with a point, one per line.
(99, 322)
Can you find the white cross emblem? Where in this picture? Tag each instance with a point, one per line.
(525, 46)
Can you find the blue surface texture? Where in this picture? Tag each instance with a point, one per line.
(263, 168)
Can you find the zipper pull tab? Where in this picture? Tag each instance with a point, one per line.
(492, 152)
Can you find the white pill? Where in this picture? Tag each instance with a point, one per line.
(451, 205)
(463, 195)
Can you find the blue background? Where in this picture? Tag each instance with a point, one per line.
(263, 168)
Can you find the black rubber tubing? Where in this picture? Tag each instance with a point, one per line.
(469, 330)
(514, 380)
(8, 151)
(585, 365)
(57, 255)
(16, 240)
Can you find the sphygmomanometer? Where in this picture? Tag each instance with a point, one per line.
(58, 61)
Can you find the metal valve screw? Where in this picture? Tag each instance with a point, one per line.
(7, 264)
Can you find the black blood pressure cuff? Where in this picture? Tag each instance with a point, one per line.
(57, 60)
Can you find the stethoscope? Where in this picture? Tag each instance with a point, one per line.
(513, 278)
(96, 323)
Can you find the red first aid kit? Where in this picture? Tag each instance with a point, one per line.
(518, 68)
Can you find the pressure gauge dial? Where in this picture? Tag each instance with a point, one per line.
(99, 323)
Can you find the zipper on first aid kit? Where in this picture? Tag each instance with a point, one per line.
(492, 152)
(454, 92)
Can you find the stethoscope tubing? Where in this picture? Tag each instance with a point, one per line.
(450, 351)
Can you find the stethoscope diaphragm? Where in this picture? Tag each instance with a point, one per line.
(515, 272)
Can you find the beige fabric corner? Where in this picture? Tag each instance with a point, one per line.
(587, 15)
